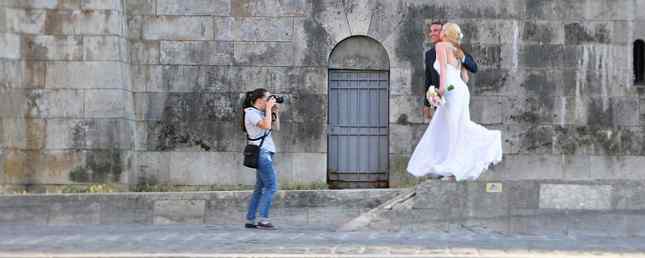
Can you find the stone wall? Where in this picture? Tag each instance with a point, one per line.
(149, 90)
(66, 104)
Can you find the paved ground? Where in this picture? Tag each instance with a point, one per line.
(233, 241)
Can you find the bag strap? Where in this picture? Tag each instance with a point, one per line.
(259, 138)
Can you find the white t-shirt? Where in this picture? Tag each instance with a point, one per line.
(252, 117)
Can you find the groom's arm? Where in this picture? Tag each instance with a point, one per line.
(429, 60)
(469, 63)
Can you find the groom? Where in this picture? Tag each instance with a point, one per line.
(432, 77)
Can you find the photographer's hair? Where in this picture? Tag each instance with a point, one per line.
(249, 99)
(453, 34)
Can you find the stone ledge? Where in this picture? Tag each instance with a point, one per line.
(303, 207)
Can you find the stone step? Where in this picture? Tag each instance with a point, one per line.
(604, 208)
(320, 208)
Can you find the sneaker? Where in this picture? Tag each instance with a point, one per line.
(265, 226)
(250, 225)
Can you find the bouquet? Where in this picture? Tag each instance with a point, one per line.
(434, 98)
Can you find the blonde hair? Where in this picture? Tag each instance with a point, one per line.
(452, 33)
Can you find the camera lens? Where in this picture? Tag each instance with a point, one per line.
(278, 99)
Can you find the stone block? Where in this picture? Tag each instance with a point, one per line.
(104, 103)
(205, 168)
(56, 48)
(223, 28)
(74, 213)
(23, 215)
(312, 44)
(496, 32)
(575, 197)
(30, 21)
(108, 134)
(24, 133)
(542, 32)
(103, 48)
(588, 32)
(528, 110)
(43, 4)
(197, 53)
(63, 103)
(401, 81)
(193, 7)
(359, 15)
(140, 7)
(629, 196)
(270, 8)
(608, 167)
(101, 22)
(576, 167)
(128, 210)
(264, 53)
(625, 111)
(406, 109)
(182, 78)
(528, 167)
(308, 168)
(177, 28)
(13, 102)
(135, 27)
(541, 56)
(147, 78)
(554, 10)
(445, 200)
(402, 135)
(9, 46)
(179, 211)
(153, 167)
(297, 137)
(115, 5)
(86, 75)
(522, 194)
(486, 110)
(218, 79)
(58, 165)
(144, 52)
(263, 29)
(150, 106)
(483, 204)
(11, 74)
(66, 133)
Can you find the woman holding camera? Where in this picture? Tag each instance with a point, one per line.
(260, 109)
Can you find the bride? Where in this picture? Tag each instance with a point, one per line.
(453, 146)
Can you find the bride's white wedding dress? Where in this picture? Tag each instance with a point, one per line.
(452, 144)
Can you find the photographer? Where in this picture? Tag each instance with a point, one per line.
(260, 112)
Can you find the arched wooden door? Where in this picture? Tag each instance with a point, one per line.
(358, 131)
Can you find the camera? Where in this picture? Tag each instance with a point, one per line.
(278, 99)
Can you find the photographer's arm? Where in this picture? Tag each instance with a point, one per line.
(266, 121)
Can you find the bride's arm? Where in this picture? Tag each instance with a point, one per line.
(464, 74)
(442, 57)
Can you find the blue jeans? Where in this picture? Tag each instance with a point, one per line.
(265, 186)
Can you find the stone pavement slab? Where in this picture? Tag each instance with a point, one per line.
(90, 241)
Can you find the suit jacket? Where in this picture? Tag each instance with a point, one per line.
(432, 76)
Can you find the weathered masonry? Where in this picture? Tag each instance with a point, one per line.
(131, 91)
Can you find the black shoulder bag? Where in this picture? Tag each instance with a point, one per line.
(252, 151)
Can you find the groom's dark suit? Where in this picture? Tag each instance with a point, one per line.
(432, 76)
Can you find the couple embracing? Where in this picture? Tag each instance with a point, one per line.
(452, 147)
